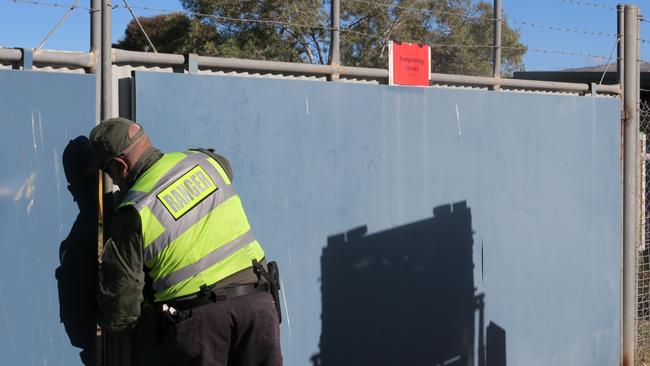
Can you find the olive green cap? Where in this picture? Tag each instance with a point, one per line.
(111, 138)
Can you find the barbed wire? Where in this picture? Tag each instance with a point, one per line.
(52, 5)
(590, 4)
(562, 29)
(277, 22)
(347, 30)
(410, 8)
(422, 10)
(559, 52)
(513, 21)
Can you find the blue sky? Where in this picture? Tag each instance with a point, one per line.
(25, 25)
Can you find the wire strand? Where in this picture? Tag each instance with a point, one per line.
(410, 8)
(562, 29)
(416, 9)
(558, 52)
(283, 23)
(140, 26)
(513, 21)
(350, 31)
(52, 5)
(611, 54)
(56, 26)
(587, 3)
(277, 22)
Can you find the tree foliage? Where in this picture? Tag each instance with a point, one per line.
(459, 32)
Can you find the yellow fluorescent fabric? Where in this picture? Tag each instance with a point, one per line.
(240, 259)
(187, 191)
(223, 224)
(221, 171)
(181, 249)
(146, 182)
(153, 227)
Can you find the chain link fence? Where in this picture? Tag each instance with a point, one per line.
(643, 252)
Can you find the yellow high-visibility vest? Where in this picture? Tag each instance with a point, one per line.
(194, 229)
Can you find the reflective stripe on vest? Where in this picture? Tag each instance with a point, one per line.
(189, 200)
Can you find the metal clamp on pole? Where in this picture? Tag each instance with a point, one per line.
(192, 63)
(28, 58)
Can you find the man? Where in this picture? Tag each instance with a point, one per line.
(182, 228)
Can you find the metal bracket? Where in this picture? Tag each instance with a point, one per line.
(193, 63)
(625, 115)
(336, 75)
(28, 58)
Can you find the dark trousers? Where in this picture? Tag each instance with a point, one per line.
(237, 331)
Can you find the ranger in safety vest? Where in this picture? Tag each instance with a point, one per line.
(181, 229)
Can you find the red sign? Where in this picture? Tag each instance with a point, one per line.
(409, 64)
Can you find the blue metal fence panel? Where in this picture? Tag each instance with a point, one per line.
(419, 225)
(40, 113)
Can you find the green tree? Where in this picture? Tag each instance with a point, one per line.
(170, 33)
(459, 31)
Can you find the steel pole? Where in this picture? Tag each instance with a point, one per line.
(95, 51)
(335, 46)
(96, 67)
(630, 180)
(106, 55)
(116, 350)
(620, 50)
(496, 50)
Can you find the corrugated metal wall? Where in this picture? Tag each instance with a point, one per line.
(41, 116)
(419, 226)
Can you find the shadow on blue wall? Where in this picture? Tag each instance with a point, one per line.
(77, 274)
(404, 296)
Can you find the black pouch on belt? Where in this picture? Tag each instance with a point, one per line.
(273, 278)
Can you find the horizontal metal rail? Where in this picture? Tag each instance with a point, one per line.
(290, 67)
(49, 57)
(521, 83)
(124, 57)
(10, 55)
(147, 58)
(64, 58)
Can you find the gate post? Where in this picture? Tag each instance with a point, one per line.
(630, 180)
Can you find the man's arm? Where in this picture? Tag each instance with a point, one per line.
(121, 275)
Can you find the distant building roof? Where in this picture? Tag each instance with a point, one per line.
(591, 74)
(645, 67)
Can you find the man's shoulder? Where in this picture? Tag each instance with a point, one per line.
(220, 159)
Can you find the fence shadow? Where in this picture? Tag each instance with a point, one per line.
(404, 296)
(77, 275)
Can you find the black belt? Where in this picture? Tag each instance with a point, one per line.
(215, 295)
